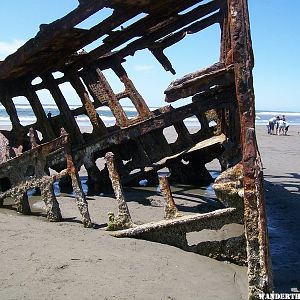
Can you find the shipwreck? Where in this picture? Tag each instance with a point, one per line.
(136, 148)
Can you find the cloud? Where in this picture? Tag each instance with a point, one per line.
(143, 68)
(7, 48)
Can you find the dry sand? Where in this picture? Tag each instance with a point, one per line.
(42, 260)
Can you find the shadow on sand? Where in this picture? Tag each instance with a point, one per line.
(283, 207)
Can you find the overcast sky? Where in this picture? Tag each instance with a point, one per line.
(274, 28)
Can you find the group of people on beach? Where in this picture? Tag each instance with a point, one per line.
(278, 126)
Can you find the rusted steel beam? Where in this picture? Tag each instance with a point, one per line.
(153, 30)
(259, 260)
(173, 231)
(225, 49)
(48, 32)
(188, 174)
(173, 38)
(200, 81)
(98, 125)
(65, 48)
(11, 111)
(77, 188)
(171, 211)
(207, 70)
(162, 59)
(123, 218)
(132, 93)
(68, 119)
(21, 202)
(164, 28)
(259, 267)
(155, 145)
(149, 24)
(91, 79)
(117, 38)
(42, 120)
(109, 96)
(183, 134)
(160, 121)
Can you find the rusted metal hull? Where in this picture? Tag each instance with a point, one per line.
(222, 93)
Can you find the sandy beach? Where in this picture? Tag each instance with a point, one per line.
(281, 161)
(42, 260)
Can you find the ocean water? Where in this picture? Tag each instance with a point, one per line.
(26, 115)
(262, 117)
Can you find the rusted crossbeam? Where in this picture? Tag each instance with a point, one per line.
(27, 171)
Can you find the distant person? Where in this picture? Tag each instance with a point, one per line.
(287, 125)
(281, 127)
(268, 128)
(49, 114)
(271, 125)
(277, 124)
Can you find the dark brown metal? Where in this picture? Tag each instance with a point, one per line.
(259, 266)
(222, 93)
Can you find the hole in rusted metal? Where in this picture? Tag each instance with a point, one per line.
(192, 124)
(144, 65)
(106, 116)
(93, 45)
(94, 19)
(132, 20)
(113, 80)
(190, 8)
(100, 163)
(135, 171)
(48, 102)
(128, 108)
(185, 162)
(202, 52)
(84, 123)
(170, 134)
(39, 135)
(57, 74)
(5, 121)
(24, 110)
(182, 102)
(69, 93)
(36, 81)
(212, 123)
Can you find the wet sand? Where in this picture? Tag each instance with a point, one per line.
(42, 260)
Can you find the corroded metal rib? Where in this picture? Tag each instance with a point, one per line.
(200, 81)
(221, 94)
(173, 231)
(27, 171)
